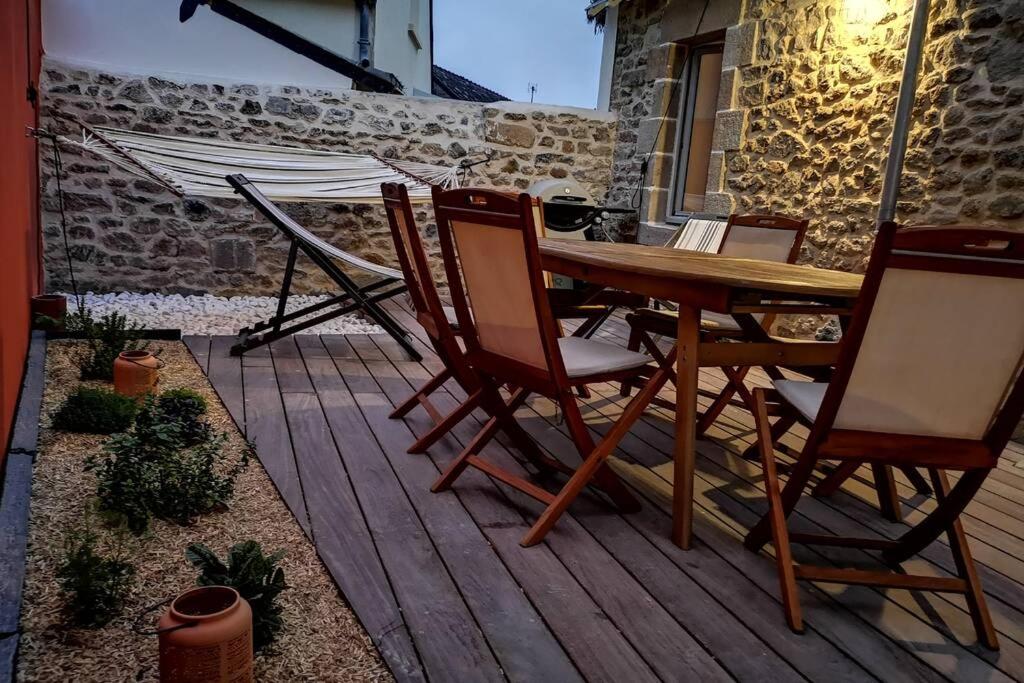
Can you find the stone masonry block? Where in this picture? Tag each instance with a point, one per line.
(656, 134)
(718, 202)
(729, 126)
(716, 172)
(511, 134)
(727, 88)
(233, 254)
(740, 41)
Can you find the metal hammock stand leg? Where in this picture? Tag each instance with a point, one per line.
(353, 297)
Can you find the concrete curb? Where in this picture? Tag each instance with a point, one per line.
(15, 494)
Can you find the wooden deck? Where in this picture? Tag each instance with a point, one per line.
(447, 594)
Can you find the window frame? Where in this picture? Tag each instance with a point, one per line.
(684, 126)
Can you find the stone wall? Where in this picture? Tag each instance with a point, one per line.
(128, 233)
(808, 93)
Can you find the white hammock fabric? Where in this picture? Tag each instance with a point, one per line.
(197, 166)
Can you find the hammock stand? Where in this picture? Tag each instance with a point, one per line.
(353, 298)
(210, 167)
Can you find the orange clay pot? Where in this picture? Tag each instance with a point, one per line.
(135, 373)
(206, 637)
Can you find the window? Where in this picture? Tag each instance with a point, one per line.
(697, 107)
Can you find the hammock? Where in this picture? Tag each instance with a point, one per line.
(198, 166)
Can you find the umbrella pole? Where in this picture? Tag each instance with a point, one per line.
(904, 107)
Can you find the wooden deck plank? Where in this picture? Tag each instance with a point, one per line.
(266, 429)
(291, 372)
(199, 347)
(523, 644)
(225, 374)
(343, 540)
(357, 376)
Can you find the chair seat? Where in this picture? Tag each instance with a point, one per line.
(583, 357)
(709, 321)
(804, 396)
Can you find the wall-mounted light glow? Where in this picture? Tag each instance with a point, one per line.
(864, 12)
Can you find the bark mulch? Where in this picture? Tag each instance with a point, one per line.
(321, 640)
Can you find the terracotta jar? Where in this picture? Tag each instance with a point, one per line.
(206, 637)
(53, 306)
(135, 373)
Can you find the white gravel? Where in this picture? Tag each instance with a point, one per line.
(212, 314)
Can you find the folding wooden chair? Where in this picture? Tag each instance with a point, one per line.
(929, 375)
(437, 320)
(769, 238)
(489, 245)
(353, 298)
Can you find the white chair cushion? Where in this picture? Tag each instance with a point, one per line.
(584, 357)
(718, 321)
(804, 396)
(449, 315)
(713, 322)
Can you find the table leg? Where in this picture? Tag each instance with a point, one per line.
(687, 368)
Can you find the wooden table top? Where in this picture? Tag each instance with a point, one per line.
(688, 268)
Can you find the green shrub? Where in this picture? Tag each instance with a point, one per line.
(46, 323)
(95, 411)
(151, 471)
(107, 338)
(186, 407)
(255, 576)
(94, 586)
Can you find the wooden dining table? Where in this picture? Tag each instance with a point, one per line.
(698, 282)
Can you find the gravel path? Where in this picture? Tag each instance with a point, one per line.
(211, 314)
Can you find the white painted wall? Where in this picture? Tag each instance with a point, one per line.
(394, 49)
(145, 36)
(611, 34)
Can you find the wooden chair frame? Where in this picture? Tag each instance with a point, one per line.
(989, 252)
(499, 210)
(429, 312)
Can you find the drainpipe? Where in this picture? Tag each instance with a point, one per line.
(904, 108)
(364, 33)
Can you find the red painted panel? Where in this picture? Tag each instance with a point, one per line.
(20, 50)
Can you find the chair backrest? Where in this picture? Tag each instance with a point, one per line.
(768, 238)
(411, 255)
(936, 345)
(701, 232)
(491, 257)
(426, 301)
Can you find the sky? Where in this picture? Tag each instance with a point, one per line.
(508, 44)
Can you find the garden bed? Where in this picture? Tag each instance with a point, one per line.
(321, 639)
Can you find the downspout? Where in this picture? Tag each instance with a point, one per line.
(904, 109)
(364, 41)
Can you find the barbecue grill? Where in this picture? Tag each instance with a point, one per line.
(569, 213)
(569, 210)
